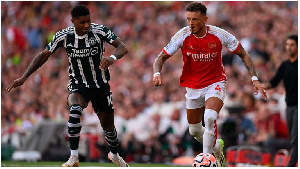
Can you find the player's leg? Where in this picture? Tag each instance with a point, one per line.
(212, 107)
(76, 103)
(214, 98)
(111, 137)
(104, 109)
(210, 142)
(194, 117)
(194, 110)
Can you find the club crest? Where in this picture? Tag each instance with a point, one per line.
(212, 45)
(92, 41)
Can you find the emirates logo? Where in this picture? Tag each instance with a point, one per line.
(212, 45)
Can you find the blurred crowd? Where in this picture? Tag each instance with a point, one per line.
(150, 121)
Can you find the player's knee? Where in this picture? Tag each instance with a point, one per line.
(195, 130)
(210, 117)
(74, 125)
(77, 99)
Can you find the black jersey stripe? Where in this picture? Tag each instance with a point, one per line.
(72, 73)
(94, 72)
(101, 56)
(82, 73)
(76, 76)
(97, 37)
(76, 43)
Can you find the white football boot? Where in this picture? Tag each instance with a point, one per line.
(72, 162)
(118, 161)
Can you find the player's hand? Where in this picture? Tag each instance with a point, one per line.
(16, 83)
(258, 87)
(106, 62)
(157, 80)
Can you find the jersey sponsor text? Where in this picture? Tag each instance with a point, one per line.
(205, 57)
(83, 52)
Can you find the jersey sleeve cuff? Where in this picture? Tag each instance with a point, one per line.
(48, 47)
(237, 48)
(166, 52)
(112, 40)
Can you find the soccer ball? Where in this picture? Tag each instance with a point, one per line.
(204, 160)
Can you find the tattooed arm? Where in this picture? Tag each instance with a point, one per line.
(251, 69)
(157, 67)
(120, 51)
(247, 61)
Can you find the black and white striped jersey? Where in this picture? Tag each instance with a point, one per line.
(84, 54)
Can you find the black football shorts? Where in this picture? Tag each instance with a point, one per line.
(101, 98)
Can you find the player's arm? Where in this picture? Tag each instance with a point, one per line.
(121, 48)
(251, 69)
(120, 51)
(169, 50)
(38, 61)
(157, 67)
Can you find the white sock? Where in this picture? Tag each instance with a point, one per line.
(208, 142)
(114, 156)
(197, 131)
(74, 152)
(209, 137)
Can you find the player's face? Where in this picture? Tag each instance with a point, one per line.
(82, 24)
(291, 47)
(196, 21)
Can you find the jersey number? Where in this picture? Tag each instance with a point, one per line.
(218, 88)
(109, 99)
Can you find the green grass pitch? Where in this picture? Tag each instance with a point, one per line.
(81, 164)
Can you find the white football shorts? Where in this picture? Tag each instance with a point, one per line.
(195, 98)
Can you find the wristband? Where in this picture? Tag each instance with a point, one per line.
(254, 78)
(114, 57)
(156, 74)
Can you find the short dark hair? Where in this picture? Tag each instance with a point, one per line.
(293, 37)
(196, 6)
(80, 10)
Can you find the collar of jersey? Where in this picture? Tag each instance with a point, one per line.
(206, 29)
(80, 37)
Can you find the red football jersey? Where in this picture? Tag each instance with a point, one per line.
(202, 56)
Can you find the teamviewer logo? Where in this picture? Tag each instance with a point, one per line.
(94, 51)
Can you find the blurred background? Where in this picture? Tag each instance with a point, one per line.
(151, 122)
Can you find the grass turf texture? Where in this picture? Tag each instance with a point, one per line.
(81, 164)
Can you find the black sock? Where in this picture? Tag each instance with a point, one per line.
(111, 138)
(74, 126)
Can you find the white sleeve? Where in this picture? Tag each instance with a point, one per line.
(176, 41)
(227, 39)
(232, 44)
